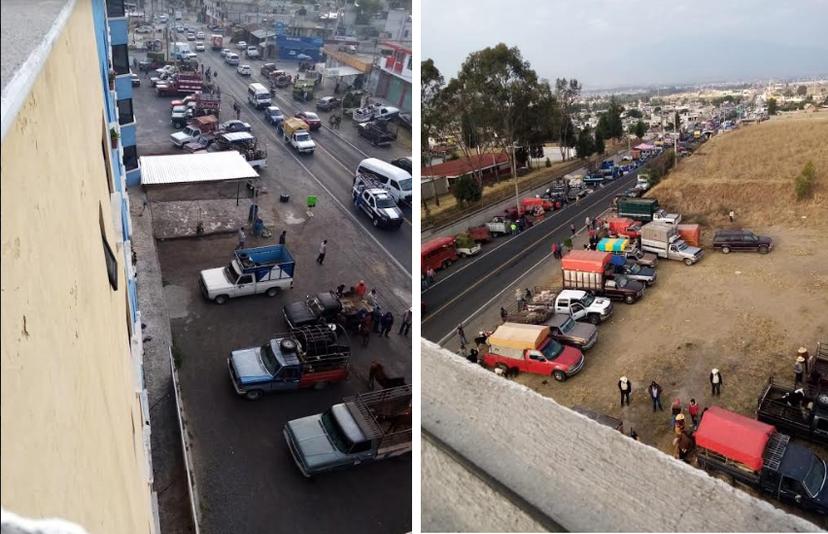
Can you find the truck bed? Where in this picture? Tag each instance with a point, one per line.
(773, 410)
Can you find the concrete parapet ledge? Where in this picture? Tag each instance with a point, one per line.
(583, 476)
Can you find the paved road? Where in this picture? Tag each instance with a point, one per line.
(246, 479)
(468, 286)
(337, 156)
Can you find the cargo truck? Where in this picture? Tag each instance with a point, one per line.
(591, 270)
(794, 411)
(251, 271)
(529, 348)
(736, 448)
(182, 82)
(309, 357)
(663, 241)
(645, 210)
(361, 429)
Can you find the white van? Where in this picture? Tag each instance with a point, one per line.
(258, 95)
(231, 59)
(393, 179)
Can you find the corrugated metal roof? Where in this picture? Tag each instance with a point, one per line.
(194, 168)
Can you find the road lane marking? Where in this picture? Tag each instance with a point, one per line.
(479, 258)
(347, 211)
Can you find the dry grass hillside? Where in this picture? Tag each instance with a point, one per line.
(752, 171)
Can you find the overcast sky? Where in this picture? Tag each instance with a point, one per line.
(607, 43)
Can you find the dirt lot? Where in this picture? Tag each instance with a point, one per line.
(745, 314)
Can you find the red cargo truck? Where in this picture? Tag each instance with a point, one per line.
(690, 233)
(590, 270)
(438, 253)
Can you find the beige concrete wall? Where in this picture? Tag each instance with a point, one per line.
(71, 421)
(582, 475)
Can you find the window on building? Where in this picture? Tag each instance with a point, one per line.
(109, 256)
(125, 115)
(130, 157)
(120, 59)
(115, 8)
(105, 151)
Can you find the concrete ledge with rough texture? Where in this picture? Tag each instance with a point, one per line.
(582, 475)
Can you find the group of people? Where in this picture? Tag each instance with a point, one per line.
(654, 390)
(522, 296)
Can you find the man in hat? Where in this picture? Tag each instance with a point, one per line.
(803, 352)
(655, 394)
(680, 423)
(625, 387)
(799, 370)
(715, 382)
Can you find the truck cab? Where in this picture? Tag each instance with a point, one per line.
(313, 356)
(251, 271)
(583, 306)
(361, 429)
(529, 348)
(315, 309)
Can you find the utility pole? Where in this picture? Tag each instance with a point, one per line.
(514, 174)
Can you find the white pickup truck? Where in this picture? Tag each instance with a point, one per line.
(667, 218)
(583, 306)
(252, 271)
(188, 134)
(296, 134)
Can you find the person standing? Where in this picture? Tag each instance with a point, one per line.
(360, 289)
(799, 370)
(503, 314)
(519, 297)
(242, 238)
(572, 228)
(655, 395)
(588, 222)
(461, 334)
(376, 318)
(555, 250)
(625, 387)
(675, 409)
(387, 323)
(405, 324)
(693, 410)
(430, 275)
(372, 298)
(323, 248)
(365, 330)
(282, 237)
(732, 215)
(715, 382)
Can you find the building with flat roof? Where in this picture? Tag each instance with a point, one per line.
(75, 418)
(392, 76)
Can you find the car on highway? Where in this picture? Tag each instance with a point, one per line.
(224, 52)
(244, 70)
(231, 58)
(144, 29)
(199, 47)
(253, 52)
(274, 115)
(328, 103)
(241, 45)
(402, 163)
(234, 125)
(179, 29)
(200, 35)
(267, 68)
(311, 119)
(191, 37)
(135, 79)
(377, 204)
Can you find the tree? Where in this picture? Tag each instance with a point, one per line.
(466, 190)
(802, 90)
(567, 92)
(431, 117)
(614, 125)
(635, 113)
(599, 143)
(772, 106)
(585, 146)
(640, 129)
(804, 183)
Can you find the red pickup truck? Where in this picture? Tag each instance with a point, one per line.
(624, 226)
(529, 348)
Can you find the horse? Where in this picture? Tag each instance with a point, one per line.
(377, 373)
